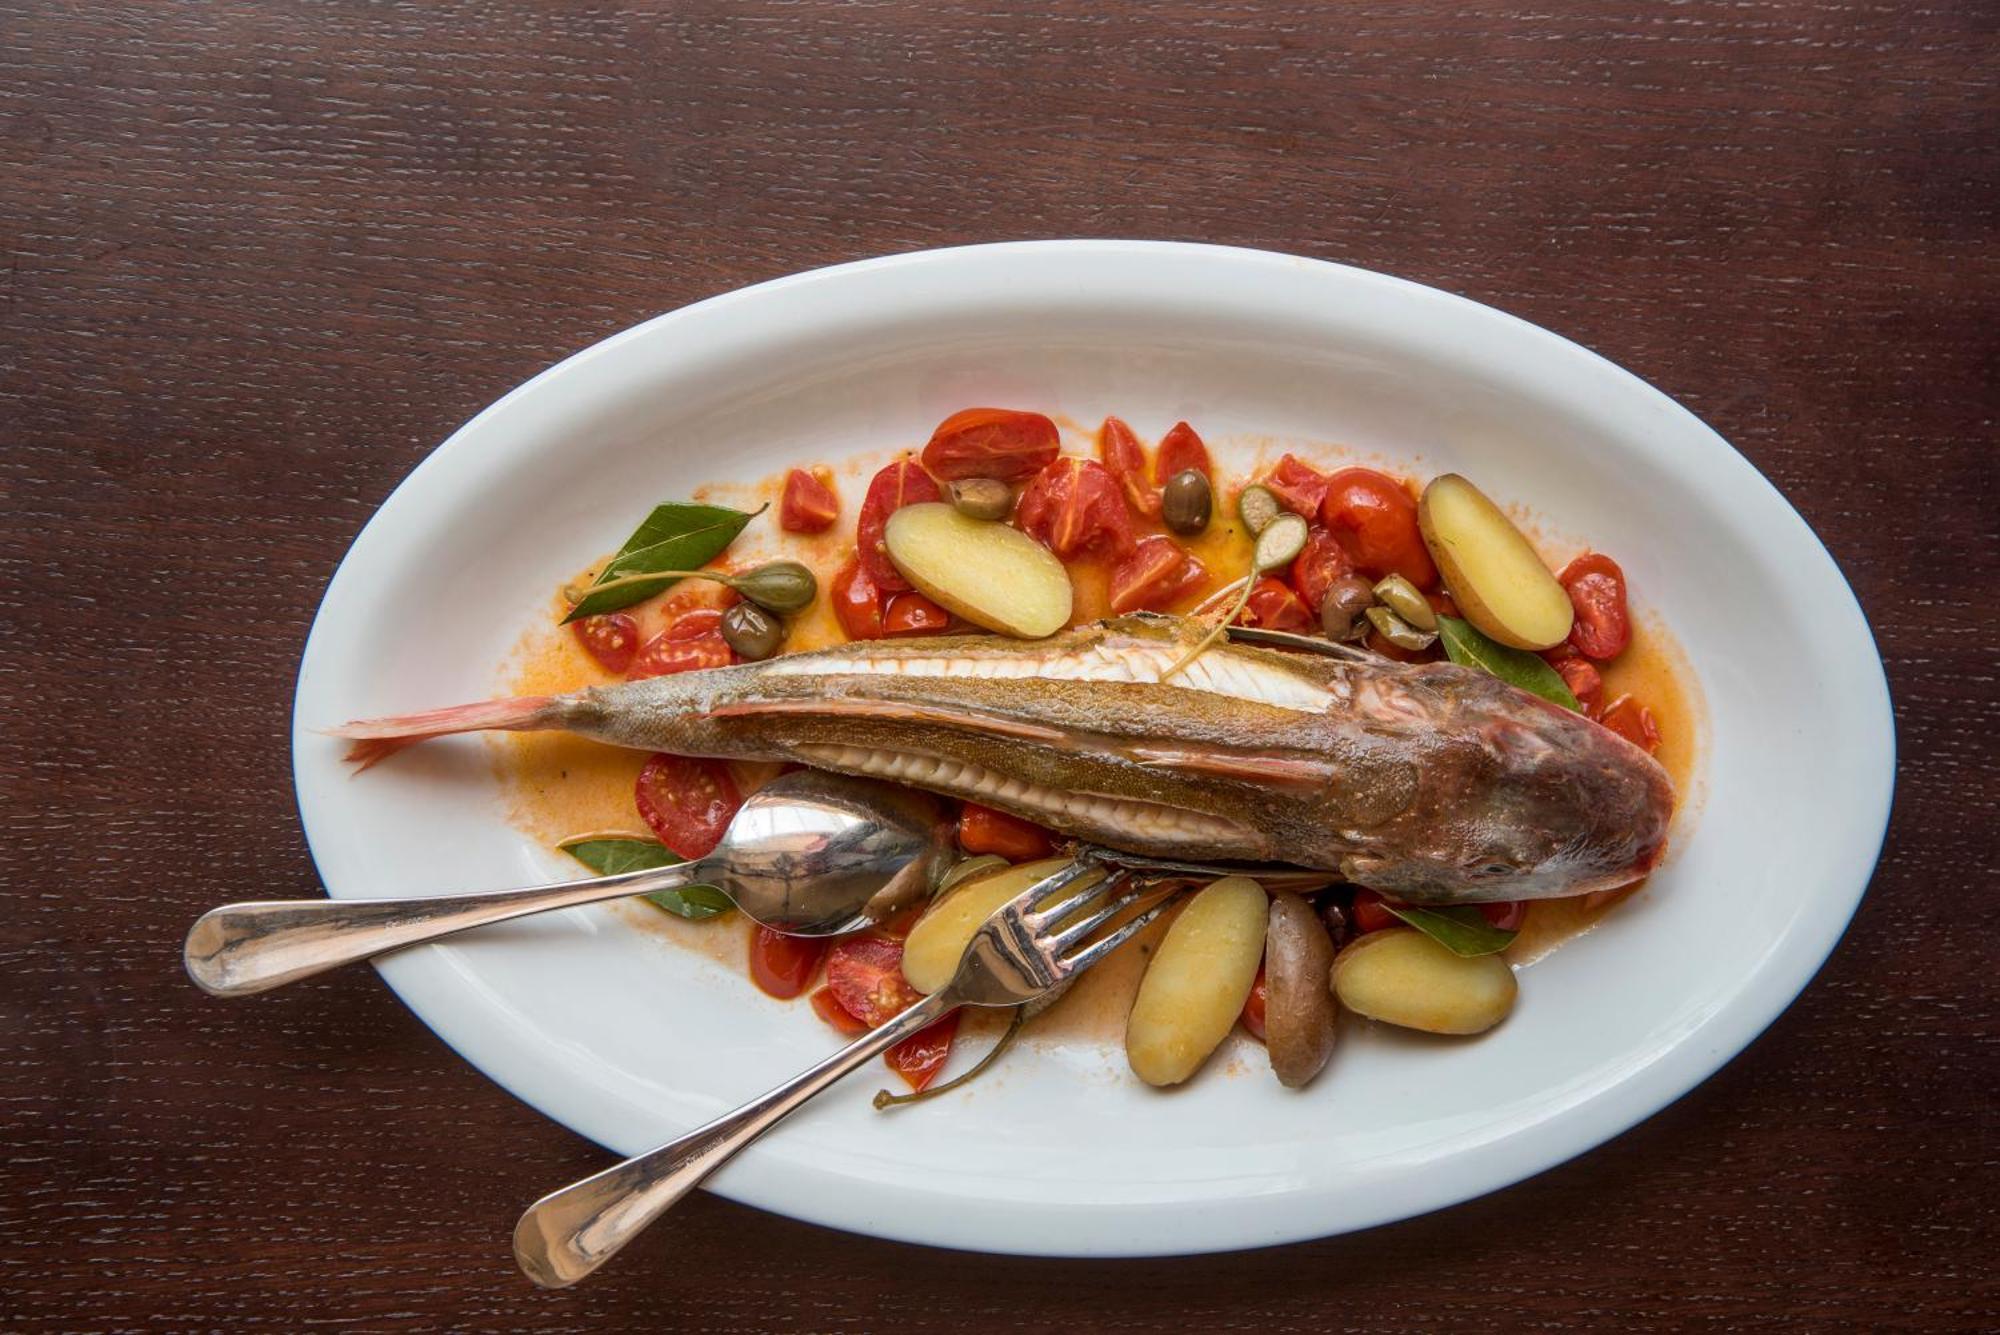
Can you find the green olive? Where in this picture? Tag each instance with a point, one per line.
(1401, 597)
(783, 587)
(1398, 631)
(1187, 502)
(1340, 611)
(1281, 542)
(982, 498)
(1258, 507)
(752, 632)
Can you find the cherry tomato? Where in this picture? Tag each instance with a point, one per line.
(1596, 589)
(1180, 450)
(1156, 573)
(1321, 563)
(1585, 682)
(1508, 915)
(1075, 506)
(665, 654)
(866, 975)
(1126, 458)
(991, 442)
(1394, 652)
(807, 504)
(1376, 521)
(1252, 1017)
(1369, 913)
(920, 1057)
(1632, 721)
(1441, 603)
(1273, 606)
(981, 829)
(857, 603)
(695, 623)
(784, 965)
(914, 614)
(1298, 486)
(828, 1008)
(901, 483)
(612, 639)
(687, 802)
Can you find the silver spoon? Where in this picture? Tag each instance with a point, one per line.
(809, 854)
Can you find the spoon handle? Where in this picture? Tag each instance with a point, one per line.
(567, 1234)
(239, 949)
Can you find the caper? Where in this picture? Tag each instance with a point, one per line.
(1398, 631)
(1187, 502)
(752, 632)
(1402, 598)
(982, 497)
(1258, 507)
(1280, 542)
(783, 587)
(1340, 611)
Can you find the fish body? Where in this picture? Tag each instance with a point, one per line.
(1432, 783)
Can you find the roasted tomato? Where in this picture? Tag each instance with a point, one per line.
(669, 652)
(687, 802)
(1585, 682)
(808, 504)
(828, 1008)
(1508, 915)
(784, 965)
(914, 614)
(1632, 721)
(920, 1057)
(1298, 486)
(1075, 506)
(1273, 606)
(1596, 588)
(991, 442)
(981, 829)
(1321, 563)
(1122, 453)
(1369, 913)
(901, 483)
(1254, 1007)
(1180, 450)
(694, 623)
(1156, 573)
(857, 603)
(1375, 519)
(612, 639)
(866, 975)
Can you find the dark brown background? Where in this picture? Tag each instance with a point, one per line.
(260, 257)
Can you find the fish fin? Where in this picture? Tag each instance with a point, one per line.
(1256, 769)
(376, 739)
(891, 710)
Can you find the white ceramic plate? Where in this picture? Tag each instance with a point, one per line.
(630, 1042)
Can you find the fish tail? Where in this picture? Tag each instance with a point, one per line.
(376, 739)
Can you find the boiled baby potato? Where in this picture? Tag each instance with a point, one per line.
(931, 954)
(1402, 977)
(1491, 570)
(992, 575)
(1298, 1005)
(1197, 982)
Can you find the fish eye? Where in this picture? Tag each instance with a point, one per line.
(1495, 869)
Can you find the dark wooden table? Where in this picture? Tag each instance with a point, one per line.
(260, 257)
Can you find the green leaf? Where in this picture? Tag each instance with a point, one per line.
(1466, 646)
(676, 536)
(609, 857)
(1461, 929)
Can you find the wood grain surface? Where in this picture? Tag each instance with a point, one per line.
(261, 256)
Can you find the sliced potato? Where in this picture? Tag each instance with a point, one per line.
(1197, 982)
(992, 575)
(1298, 1008)
(1402, 977)
(931, 954)
(1491, 569)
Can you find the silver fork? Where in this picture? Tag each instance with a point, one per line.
(1022, 952)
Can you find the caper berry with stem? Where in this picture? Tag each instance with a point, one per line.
(752, 632)
(982, 498)
(1280, 542)
(1258, 507)
(1340, 611)
(1187, 502)
(1400, 632)
(783, 587)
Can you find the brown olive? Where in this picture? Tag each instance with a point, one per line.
(1346, 599)
(752, 632)
(982, 497)
(1187, 502)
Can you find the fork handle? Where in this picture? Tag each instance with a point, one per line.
(567, 1234)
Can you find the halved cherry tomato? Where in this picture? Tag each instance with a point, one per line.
(1075, 506)
(866, 975)
(981, 829)
(828, 1008)
(992, 442)
(1298, 486)
(1156, 573)
(1375, 519)
(1180, 450)
(1632, 721)
(1585, 682)
(612, 639)
(901, 483)
(1507, 915)
(913, 614)
(857, 603)
(1596, 588)
(1258, 1002)
(807, 504)
(1273, 606)
(1369, 913)
(665, 653)
(920, 1057)
(1322, 561)
(694, 623)
(1126, 458)
(687, 802)
(784, 965)
(1441, 603)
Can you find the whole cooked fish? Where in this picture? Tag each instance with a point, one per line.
(1430, 782)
